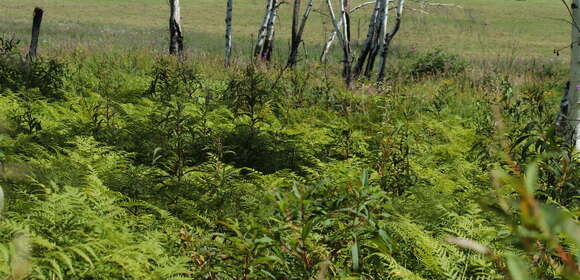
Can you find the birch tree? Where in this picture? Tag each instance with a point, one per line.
(229, 12)
(263, 28)
(36, 21)
(175, 33)
(342, 31)
(271, 32)
(574, 91)
(332, 35)
(378, 44)
(265, 42)
(370, 39)
(388, 39)
(298, 30)
(378, 39)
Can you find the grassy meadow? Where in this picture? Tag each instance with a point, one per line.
(481, 30)
(119, 161)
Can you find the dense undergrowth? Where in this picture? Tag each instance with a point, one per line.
(127, 167)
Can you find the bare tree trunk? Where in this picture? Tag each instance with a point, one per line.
(368, 41)
(268, 47)
(380, 30)
(229, 12)
(175, 33)
(263, 31)
(388, 39)
(328, 44)
(295, 43)
(345, 15)
(346, 42)
(305, 18)
(37, 20)
(332, 35)
(343, 37)
(574, 94)
(297, 37)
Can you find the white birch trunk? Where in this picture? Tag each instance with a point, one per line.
(379, 34)
(268, 46)
(328, 44)
(388, 39)
(229, 12)
(176, 35)
(305, 17)
(262, 32)
(384, 25)
(369, 40)
(345, 22)
(332, 35)
(574, 110)
(343, 39)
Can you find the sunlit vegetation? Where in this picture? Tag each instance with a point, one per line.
(141, 165)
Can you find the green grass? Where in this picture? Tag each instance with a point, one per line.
(482, 30)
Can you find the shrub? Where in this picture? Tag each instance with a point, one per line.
(437, 62)
(47, 76)
(10, 64)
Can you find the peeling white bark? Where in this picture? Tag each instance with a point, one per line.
(328, 44)
(345, 22)
(176, 35)
(343, 37)
(376, 44)
(268, 46)
(229, 12)
(332, 34)
(262, 32)
(305, 17)
(264, 45)
(371, 37)
(384, 25)
(388, 39)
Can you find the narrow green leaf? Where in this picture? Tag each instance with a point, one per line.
(264, 240)
(82, 255)
(532, 178)
(296, 192)
(517, 267)
(354, 251)
(364, 179)
(310, 224)
(266, 259)
(385, 238)
(66, 260)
